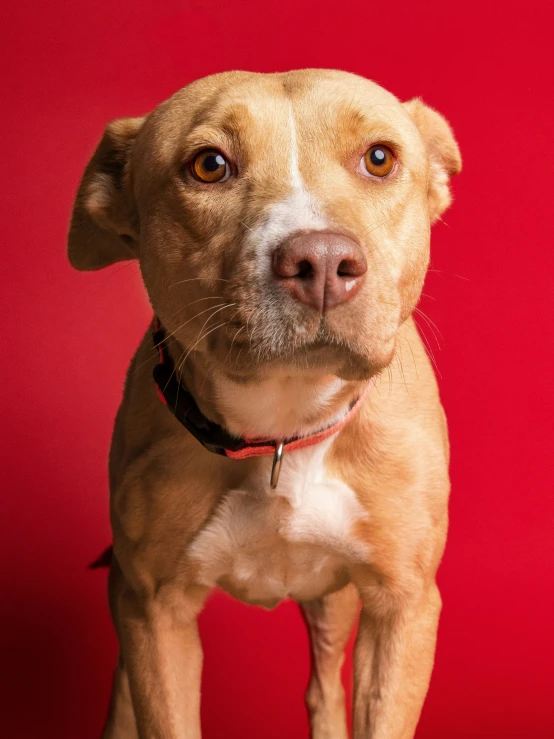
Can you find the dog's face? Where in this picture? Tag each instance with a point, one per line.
(279, 220)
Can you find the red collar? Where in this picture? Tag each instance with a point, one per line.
(214, 437)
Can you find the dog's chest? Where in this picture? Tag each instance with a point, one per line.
(298, 541)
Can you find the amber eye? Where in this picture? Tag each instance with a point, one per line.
(210, 166)
(379, 160)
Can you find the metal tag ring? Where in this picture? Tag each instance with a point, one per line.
(276, 466)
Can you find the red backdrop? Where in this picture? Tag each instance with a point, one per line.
(70, 66)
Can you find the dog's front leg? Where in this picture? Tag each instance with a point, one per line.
(162, 654)
(329, 620)
(393, 661)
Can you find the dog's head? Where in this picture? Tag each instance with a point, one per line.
(278, 220)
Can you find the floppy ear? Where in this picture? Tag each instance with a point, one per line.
(443, 152)
(104, 224)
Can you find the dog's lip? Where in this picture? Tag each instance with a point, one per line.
(321, 362)
(329, 353)
(319, 351)
(310, 341)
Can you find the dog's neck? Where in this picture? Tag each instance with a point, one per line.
(282, 403)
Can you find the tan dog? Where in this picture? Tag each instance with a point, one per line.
(281, 223)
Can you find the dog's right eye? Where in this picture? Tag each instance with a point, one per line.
(210, 166)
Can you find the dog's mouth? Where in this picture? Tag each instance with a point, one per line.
(243, 351)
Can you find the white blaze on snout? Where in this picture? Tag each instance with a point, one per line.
(299, 211)
(295, 176)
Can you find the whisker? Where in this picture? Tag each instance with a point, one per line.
(389, 370)
(198, 300)
(219, 325)
(114, 272)
(432, 326)
(371, 229)
(428, 348)
(246, 226)
(154, 353)
(177, 366)
(442, 273)
(405, 338)
(399, 357)
(232, 342)
(228, 305)
(237, 357)
(193, 279)
(221, 306)
(184, 307)
(376, 384)
(230, 349)
(187, 305)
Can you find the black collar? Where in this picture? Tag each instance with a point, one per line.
(180, 402)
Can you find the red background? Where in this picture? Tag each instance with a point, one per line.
(72, 66)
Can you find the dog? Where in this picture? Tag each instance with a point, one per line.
(281, 433)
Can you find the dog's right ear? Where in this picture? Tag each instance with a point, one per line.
(104, 224)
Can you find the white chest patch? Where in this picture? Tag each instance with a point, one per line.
(263, 545)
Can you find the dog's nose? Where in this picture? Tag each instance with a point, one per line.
(320, 269)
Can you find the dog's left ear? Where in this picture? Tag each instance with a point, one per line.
(104, 224)
(444, 155)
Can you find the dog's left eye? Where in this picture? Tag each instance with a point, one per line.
(210, 166)
(378, 161)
